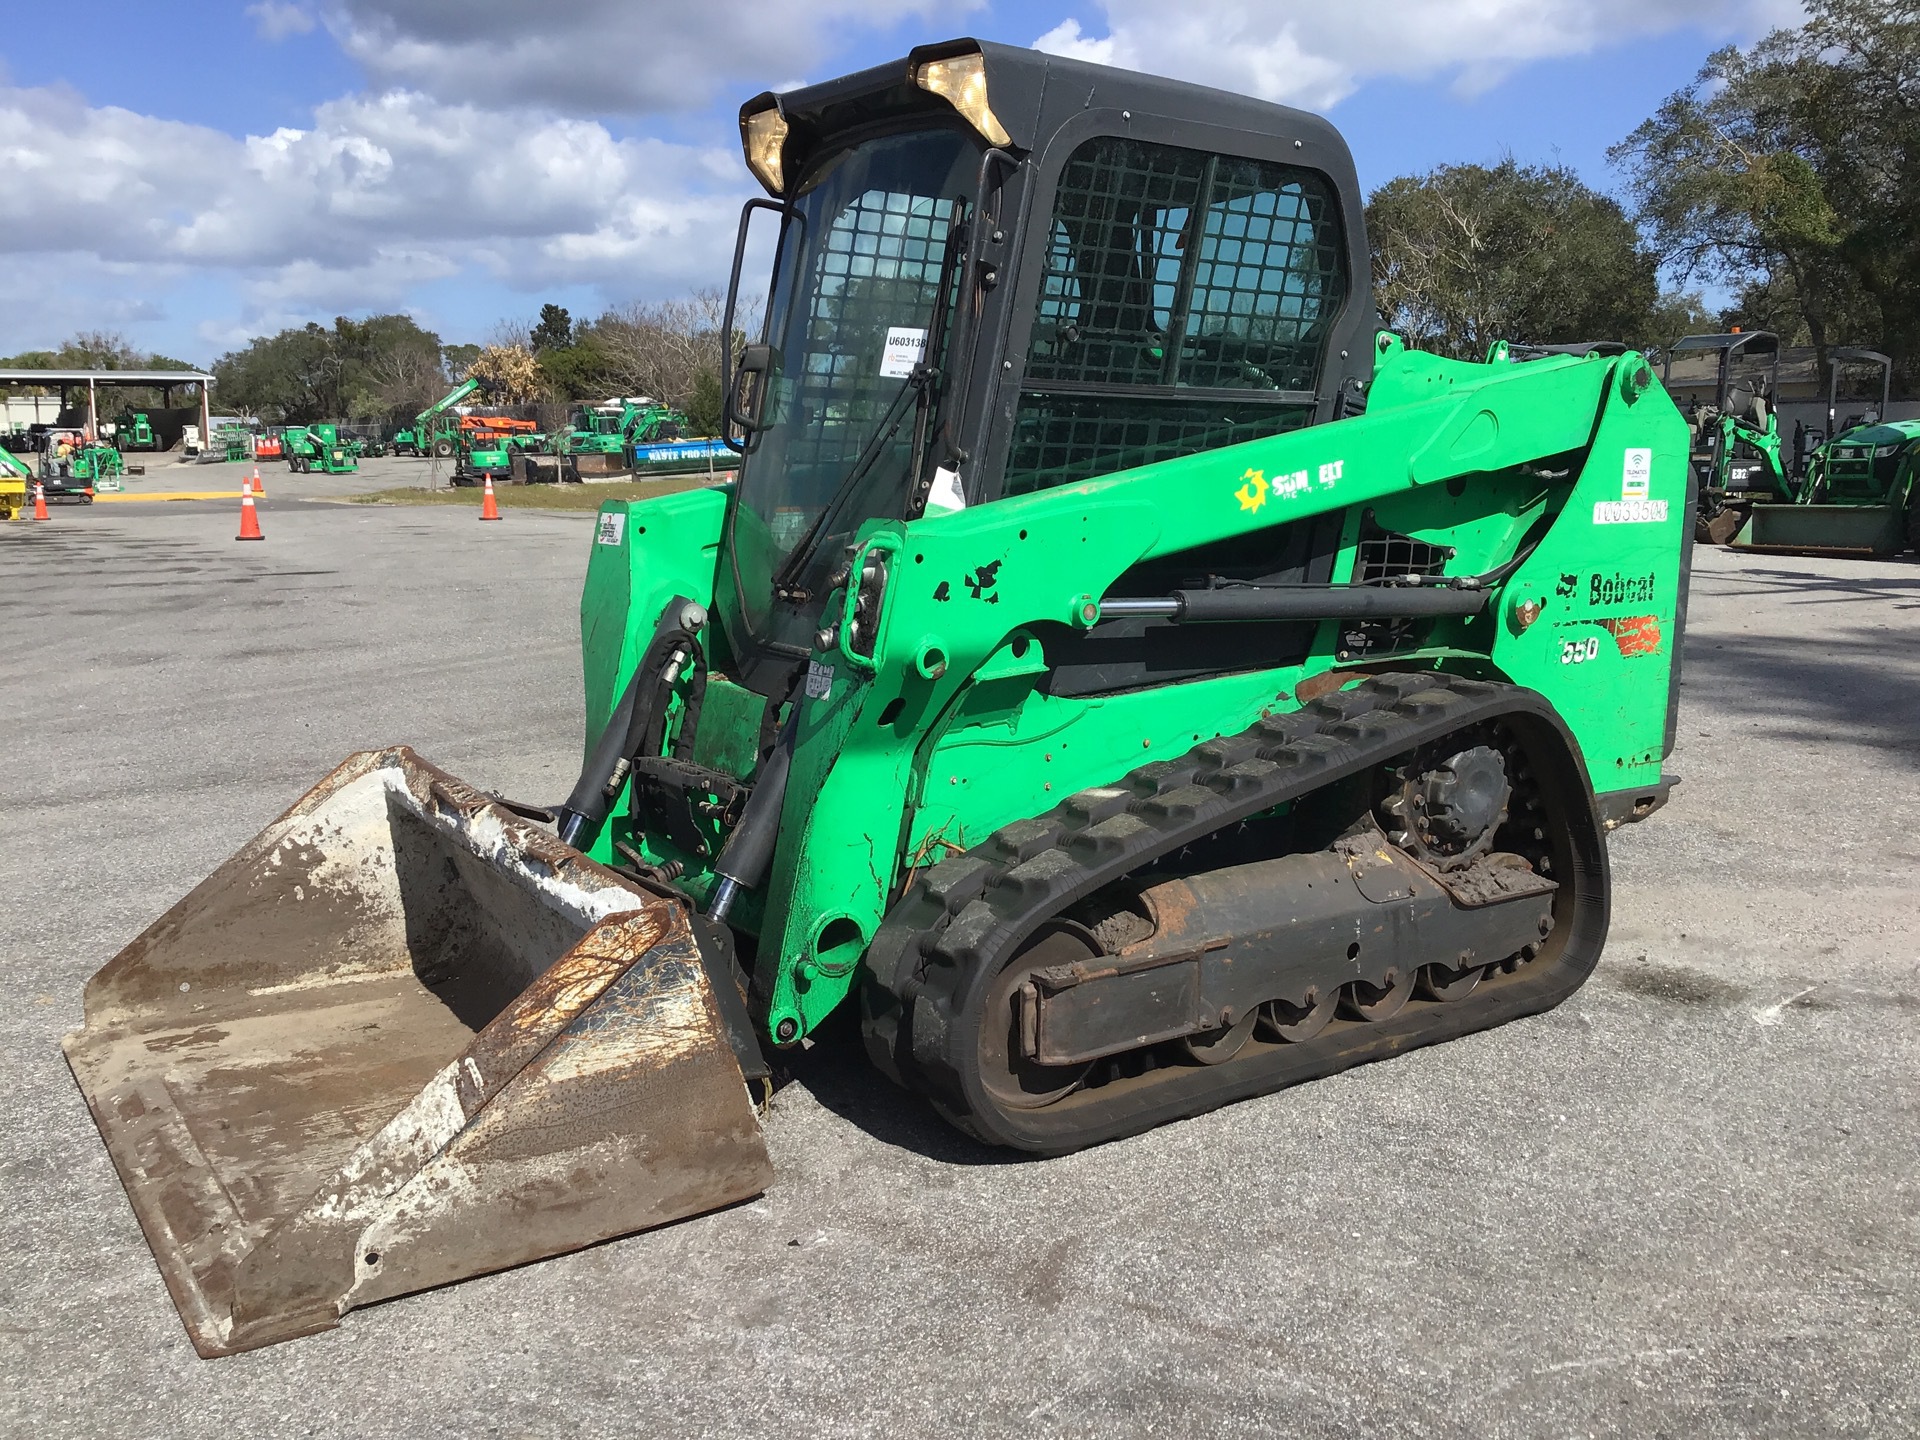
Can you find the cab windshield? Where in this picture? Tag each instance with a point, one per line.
(855, 290)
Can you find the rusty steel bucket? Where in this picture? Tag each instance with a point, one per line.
(1864, 531)
(401, 1038)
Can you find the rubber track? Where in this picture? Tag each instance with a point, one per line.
(960, 922)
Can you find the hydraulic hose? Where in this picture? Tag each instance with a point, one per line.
(748, 852)
(611, 757)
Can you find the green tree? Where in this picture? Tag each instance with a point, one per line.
(578, 371)
(456, 360)
(98, 350)
(1468, 254)
(1677, 314)
(704, 404)
(385, 365)
(554, 332)
(1790, 171)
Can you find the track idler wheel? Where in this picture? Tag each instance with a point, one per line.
(1009, 1073)
(1216, 1047)
(1443, 982)
(1375, 1003)
(1280, 1020)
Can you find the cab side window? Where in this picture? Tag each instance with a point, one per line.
(1184, 305)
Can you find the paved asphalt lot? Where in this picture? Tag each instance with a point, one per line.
(1683, 1204)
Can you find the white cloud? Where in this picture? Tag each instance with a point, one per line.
(276, 20)
(1316, 55)
(597, 57)
(379, 195)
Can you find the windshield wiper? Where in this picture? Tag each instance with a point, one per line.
(917, 383)
(920, 386)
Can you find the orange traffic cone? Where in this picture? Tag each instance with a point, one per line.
(249, 518)
(259, 489)
(489, 510)
(40, 502)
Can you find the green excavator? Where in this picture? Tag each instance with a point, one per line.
(602, 438)
(1119, 677)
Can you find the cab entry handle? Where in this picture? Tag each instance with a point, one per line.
(745, 401)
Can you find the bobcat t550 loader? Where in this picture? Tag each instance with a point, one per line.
(1122, 675)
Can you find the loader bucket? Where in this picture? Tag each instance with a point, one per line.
(1862, 530)
(401, 1038)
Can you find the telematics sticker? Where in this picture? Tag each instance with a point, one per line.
(905, 346)
(819, 680)
(1629, 512)
(613, 528)
(1636, 475)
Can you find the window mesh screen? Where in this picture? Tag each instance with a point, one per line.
(1173, 268)
(1387, 556)
(1270, 273)
(880, 259)
(1113, 267)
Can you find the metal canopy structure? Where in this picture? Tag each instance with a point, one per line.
(163, 380)
(105, 377)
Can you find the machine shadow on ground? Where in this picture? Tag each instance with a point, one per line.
(836, 1072)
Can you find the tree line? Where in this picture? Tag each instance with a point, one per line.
(1787, 175)
(388, 368)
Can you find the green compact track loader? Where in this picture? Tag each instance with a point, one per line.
(1120, 680)
(1862, 490)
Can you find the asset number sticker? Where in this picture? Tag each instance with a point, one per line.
(1578, 652)
(905, 346)
(819, 680)
(1636, 475)
(612, 530)
(1629, 512)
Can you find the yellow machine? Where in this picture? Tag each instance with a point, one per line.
(16, 481)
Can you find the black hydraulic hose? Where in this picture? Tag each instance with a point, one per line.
(590, 800)
(748, 853)
(586, 804)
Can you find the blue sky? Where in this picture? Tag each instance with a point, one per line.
(191, 176)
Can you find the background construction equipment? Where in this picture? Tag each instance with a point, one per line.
(319, 448)
(1861, 491)
(1736, 428)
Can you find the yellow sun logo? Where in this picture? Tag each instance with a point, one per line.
(1253, 494)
